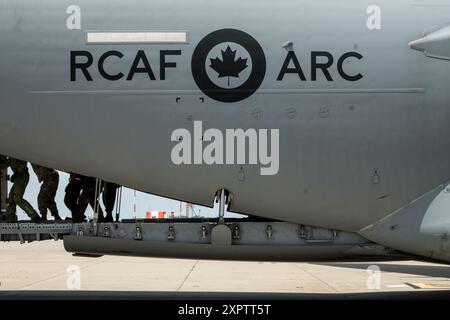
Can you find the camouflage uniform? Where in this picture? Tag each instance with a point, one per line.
(46, 198)
(88, 198)
(109, 199)
(20, 180)
(73, 191)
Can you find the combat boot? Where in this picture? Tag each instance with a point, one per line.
(36, 219)
(109, 218)
(78, 219)
(44, 217)
(57, 217)
(12, 219)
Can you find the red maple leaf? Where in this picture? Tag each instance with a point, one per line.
(228, 66)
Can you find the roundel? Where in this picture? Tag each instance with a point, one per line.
(228, 65)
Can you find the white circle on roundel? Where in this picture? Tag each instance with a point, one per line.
(228, 65)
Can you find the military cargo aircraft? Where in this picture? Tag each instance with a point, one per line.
(329, 119)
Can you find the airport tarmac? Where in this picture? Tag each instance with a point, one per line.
(46, 270)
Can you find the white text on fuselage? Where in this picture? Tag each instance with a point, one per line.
(234, 146)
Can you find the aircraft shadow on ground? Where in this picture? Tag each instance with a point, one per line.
(441, 271)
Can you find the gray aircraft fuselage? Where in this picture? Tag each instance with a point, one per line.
(359, 138)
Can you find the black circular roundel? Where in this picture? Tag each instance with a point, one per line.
(199, 65)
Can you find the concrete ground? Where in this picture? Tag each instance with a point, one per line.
(45, 270)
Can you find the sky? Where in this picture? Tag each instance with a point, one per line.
(144, 202)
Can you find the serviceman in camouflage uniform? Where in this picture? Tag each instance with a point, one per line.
(73, 192)
(88, 197)
(3, 189)
(20, 180)
(46, 198)
(109, 199)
